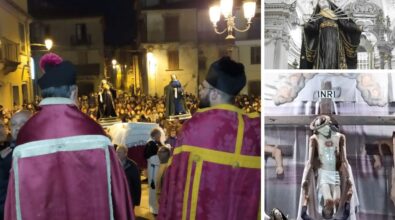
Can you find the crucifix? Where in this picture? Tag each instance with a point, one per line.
(326, 104)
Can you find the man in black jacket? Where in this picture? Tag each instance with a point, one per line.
(132, 173)
(7, 145)
(5, 165)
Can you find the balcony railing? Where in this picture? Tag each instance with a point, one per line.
(9, 50)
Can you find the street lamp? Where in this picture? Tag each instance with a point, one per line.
(37, 51)
(48, 44)
(114, 63)
(226, 7)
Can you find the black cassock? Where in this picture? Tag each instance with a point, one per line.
(132, 174)
(329, 44)
(174, 104)
(106, 104)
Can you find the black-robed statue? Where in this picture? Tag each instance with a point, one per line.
(106, 101)
(174, 98)
(330, 39)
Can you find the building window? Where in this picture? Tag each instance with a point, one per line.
(81, 36)
(36, 32)
(172, 32)
(173, 60)
(202, 61)
(22, 37)
(15, 95)
(80, 32)
(254, 88)
(25, 94)
(363, 58)
(143, 29)
(9, 50)
(255, 55)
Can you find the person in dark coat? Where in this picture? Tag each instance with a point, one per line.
(152, 146)
(6, 148)
(5, 165)
(132, 173)
(106, 99)
(174, 98)
(172, 139)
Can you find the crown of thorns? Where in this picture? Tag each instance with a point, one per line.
(320, 122)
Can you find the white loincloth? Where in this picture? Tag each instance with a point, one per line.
(328, 177)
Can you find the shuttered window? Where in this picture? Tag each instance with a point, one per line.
(255, 55)
(173, 60)
(172, 30)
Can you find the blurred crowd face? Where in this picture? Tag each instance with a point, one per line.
(204, 94)
(17, 121)
(157, 137)
(3, 131)
(122, 153)
(6, 120)
(173, 133)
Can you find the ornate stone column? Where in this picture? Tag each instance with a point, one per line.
(277, 22)
(382, 60)
(389, 60)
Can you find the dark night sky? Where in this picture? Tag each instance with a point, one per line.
(119, 15)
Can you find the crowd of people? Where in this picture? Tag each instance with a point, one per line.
(134, 107)
(137, 107)
(71, 144)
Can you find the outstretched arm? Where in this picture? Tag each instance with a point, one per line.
(313, 145)
(343, 157)
(277, 155)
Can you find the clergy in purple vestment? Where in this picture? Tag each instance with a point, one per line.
(64, 166)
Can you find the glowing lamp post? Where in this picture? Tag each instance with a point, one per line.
(48, 44)
(225, 8)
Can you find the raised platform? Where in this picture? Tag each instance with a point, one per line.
(107, 122)
(180, 117)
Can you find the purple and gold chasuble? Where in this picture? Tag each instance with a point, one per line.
(64, 168)
(215, 171)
